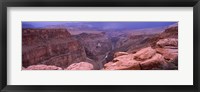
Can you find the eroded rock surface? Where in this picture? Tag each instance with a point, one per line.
(168, 42)
(50, 47)
(42, 67)
(144, 54)
(80, 66)
(117, 54)
(156, 62)
(125, 62)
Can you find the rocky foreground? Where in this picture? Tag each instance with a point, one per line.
(57, 49)
(148, 58)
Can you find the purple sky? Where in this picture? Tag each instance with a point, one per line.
(98, 25)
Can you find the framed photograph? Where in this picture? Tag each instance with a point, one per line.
(87, 45)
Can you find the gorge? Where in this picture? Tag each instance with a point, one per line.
(71, 49)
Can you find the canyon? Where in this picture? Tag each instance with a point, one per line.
(65, 49)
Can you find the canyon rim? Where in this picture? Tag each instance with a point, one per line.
(79, 45)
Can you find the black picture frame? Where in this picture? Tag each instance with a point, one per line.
(99, 3)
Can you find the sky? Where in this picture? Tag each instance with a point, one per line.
(98, 25)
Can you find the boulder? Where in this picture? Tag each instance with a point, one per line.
(144, 54)
(169, 54)
(167, 42)
(156, 62)
(80, 66)
(43, 67)
(125, 62)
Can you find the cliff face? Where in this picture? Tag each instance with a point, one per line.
(50, 47)
(171, 32)
(96, 45)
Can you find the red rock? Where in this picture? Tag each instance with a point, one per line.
(171, 32)
(156, 62)
(147, 54)
(168, 42)
(80, 66)
(169, 54)
(124, 58)
(144, 54)
(50, 47)
(43, 67)
(172, 29)
(120, 54)
(125, 62)
(35, 36)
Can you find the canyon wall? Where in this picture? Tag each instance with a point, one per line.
(96, 45)
(51, 47)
